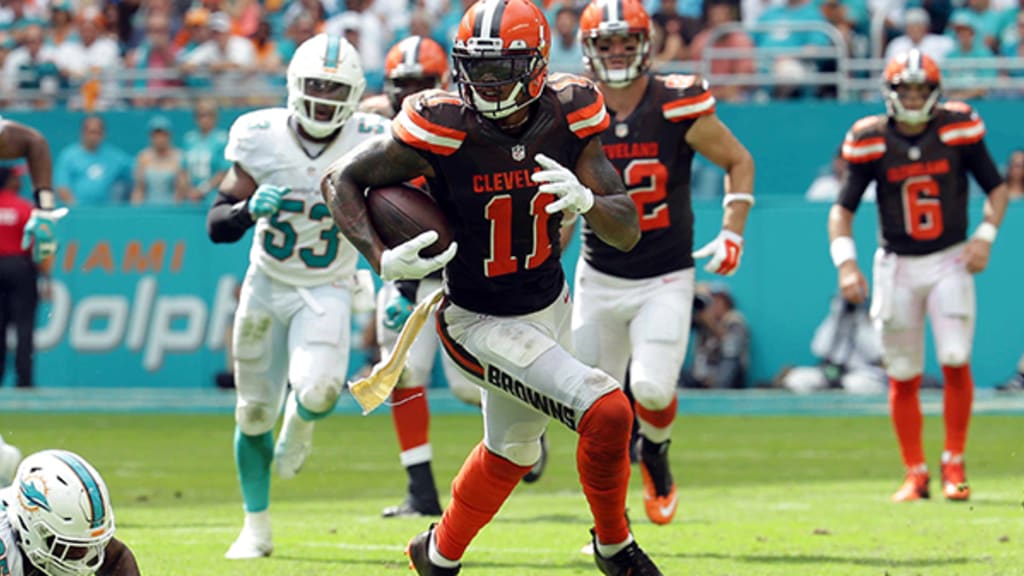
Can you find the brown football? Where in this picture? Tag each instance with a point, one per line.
(402, 212)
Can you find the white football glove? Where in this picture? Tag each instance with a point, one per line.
(403, 262)
(561, 181)
(725, 251)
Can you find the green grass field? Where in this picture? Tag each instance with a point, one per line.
(760, 495)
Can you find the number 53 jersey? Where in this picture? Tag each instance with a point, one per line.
(299, 245)
(922, 179)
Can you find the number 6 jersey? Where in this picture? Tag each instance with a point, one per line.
(300, 244)
(922, 179)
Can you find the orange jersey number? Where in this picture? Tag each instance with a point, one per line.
(922, 209)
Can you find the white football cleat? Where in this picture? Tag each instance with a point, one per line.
(295, 441)
(254, 541)
(10, 457)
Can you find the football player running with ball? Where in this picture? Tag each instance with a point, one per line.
(413, 65)
(633, 310)
(920, 154)
(57, 520)
(293, 318)
(507, 158)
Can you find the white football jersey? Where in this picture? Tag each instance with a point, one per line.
(300, 244)
(11, 560)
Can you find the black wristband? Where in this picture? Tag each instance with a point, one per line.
(44, 199)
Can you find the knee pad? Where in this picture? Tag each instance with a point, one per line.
(322, 394)
(255, 418)
(520, 445)
(652, 395)
(610, 417)
(901, 369)
(954, 356)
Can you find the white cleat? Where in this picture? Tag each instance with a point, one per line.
(249, 546)
(254, 540)
(294, 443)
(10, 457)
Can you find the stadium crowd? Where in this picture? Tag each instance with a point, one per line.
(102, 54)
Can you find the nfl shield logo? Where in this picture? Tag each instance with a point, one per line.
(518, 152)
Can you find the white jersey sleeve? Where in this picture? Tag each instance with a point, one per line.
(300, 244)
(11, 561)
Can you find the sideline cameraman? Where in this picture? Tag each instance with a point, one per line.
(721, 356)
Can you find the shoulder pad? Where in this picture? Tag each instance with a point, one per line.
(865, 141)
(582, 104)
(959, 125)
(428, 121)
(684, 97)
(252, 140)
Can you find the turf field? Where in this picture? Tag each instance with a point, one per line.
(760, 495)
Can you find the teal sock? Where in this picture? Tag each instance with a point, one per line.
(310, 416)
(253, 455)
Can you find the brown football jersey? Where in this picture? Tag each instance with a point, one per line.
(650, 151)
(921, 179)
(508, 261)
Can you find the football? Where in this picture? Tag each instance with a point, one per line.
(402, 212)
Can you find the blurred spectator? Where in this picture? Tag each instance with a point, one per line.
(566, 51)
(229, 59)
(364, 30)
(299, 30)
(825, 187)
(92, 172)
(194, 30)
(62, 25)
(721, 355)
(988, 22)
(160, 178)
(1012, 47)
(1015, 175)
(33, 68)
(671, 36)
(448, 24)
(849, 351)
(916, 26)
(18, 279)
(961, 74)
(781, 34)
(719, 12)
(268, 57)
(154, 61)
(204, 152)
(88, 59)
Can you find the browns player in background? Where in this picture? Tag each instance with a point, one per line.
(413, 65)
(505, 320)
(920, 154)
(633, 309)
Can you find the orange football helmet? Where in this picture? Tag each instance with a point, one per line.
(412, 65)
(912, 68)
(604, 19)
(501, 56)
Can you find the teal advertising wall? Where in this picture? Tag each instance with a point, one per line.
(142, 298)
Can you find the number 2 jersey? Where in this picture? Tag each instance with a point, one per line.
(299, 245)
(650, 151)
(921, 179)
(508, 263)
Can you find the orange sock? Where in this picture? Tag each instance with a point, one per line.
(905, 409)
(658, 418)
(602, 460)
(481, 487)
(411, 415)
(957, 398)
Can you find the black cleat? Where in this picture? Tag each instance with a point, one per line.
(538, 469)
(630, 561)
(418, 552)
(409, 508)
